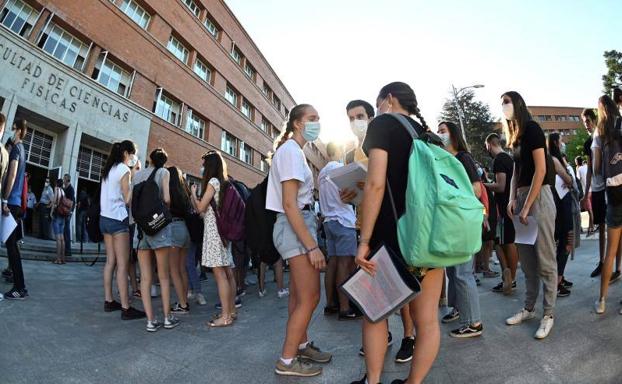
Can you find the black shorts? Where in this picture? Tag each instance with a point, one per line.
(491, 234)
(599, 207)
(507, 234)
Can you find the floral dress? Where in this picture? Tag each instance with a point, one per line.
(215, 254)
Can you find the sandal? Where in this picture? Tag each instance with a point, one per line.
(220, 322)
(216, 316)
(137, 293)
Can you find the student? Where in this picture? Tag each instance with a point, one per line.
(463, 296)
(194, 254)
(180, 241)
(608, 145)
(564, 231)
(290, 194)
(339, 226)
(582, 172)
(507, 254)
(114, 224)
(31, 202)
(70, 193)
(215, 253)
(277, 267)
(530, 196)
(4, 164)
(58, 223)
(44, 209)
(388, 145)
(12, 204)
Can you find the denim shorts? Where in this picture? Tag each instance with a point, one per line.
(58, 225)
(285, 240)
(340, 240)
(110, 226)
(162, 239)
(180, 236)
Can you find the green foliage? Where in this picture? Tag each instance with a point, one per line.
(477, 120)
(574, 147)
(613, 61)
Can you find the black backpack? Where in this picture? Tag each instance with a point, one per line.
(92, 220)
(149, 211)
(259, 223)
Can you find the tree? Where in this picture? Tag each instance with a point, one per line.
(478, 121)
(574, 147)
(613, 61)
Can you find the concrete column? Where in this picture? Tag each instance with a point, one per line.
(70, 163)
(9, 109)
(89, 66)
(192, 57)
(36, 29)
(184, 117)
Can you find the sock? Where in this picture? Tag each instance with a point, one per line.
(286, 361)
(303, 345)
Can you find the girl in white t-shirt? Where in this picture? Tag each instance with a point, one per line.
(290, 194)
(114, 224)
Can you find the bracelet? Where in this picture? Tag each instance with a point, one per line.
(312, 249)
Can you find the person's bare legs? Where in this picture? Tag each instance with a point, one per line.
(424, 310)
(175, 256)
(307, 296)
(233, 288)
(511, 256)
(224, 292)
(132, 272)
(162, 261)
(109, 267)
(345, 266)
(261, 279)
(146, 278)
(330, 275)
(407, 321)
(613, 242)
(375, 347)
(602, 241)
(279, 275)
(121, 251)
(184, 272)
(618, 258)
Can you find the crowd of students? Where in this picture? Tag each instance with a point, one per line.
(530, 184)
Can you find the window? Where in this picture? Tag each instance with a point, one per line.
(211, 27)
(263, 165)
(246, 153)
(90, 163)
(231, 96)
(134, 12)
(195, 125)
(249, 71)
(193, 7)
(63, 46)
(167, 108)
(19, 17)
(275, 133)
(178, 49)
(229, 144)
(277, 102)
(112, 76)
(236, 55)
(265, 124)
(38, 146)
(247, 109)
(286, 112)
(202, 70)
(266, 90)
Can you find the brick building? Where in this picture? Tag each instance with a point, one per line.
(565, 120)
(178, 74)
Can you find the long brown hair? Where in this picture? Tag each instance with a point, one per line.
(457, 138)
(214, 166)
(607, 114)
(515, 128)
(294, 115)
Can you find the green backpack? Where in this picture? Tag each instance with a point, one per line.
(442, 225)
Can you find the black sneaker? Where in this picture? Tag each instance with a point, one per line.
(16, 294)
(110, 306)
(498, 288)
(362, 381)
(562, 291)
(597, 270)
(451, 316)
(349, 315)
(467, 331)
(405, 354)
(477, 281)
(7, 272)
(389, 343)
(179, 310)
(615, 277)
(153, 326)
(566, 283)
(399, 381)
(330, 310)
(171, 322)
(132, 314)
(238, 304)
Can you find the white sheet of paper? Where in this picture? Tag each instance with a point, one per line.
(525, 234)
(381, 293)
(8, 225)
(348, 176)
(561, 187)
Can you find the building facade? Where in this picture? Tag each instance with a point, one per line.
(564, 120)
(179, 74)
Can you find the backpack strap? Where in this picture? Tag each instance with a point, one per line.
(153, 174)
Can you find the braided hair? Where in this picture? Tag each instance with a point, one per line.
(294, 115)
(406, 96)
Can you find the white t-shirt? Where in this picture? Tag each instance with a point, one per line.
(333, 209)
(111, 199)
(289, 163)
(598, 180)
(582, 174)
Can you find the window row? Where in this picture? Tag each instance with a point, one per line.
(239, 149)
(559, 118)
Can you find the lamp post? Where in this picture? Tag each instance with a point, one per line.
(458, 108)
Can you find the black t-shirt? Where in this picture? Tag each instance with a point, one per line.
(503, 163)
(532, 139)
(469, 165)
(386, 133)
(70, 193)
(83, 199)
(587, 147)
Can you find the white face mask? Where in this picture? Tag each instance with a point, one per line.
(444, 138)
(508, 111)
(378, 112)
(132, 161)
(359, 128)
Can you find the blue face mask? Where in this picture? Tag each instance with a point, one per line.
(480, 172)
(311, 131)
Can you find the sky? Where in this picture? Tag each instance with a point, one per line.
(328, 52)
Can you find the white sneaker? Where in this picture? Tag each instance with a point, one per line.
(190, 296)
(1, 297)
(546, 324)
(200, 299)
(262, 292)
(154, 291)
(283, 293)
(599, 306)
(521, 316)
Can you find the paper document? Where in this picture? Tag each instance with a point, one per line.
(380, 295)
(348, 176)
(561, 187)
(8, 225)
(525, 234)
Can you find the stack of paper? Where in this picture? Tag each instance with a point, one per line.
(348, 177)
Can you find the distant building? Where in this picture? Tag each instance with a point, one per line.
(564, 120)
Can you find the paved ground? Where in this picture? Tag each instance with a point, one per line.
(61, 335)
